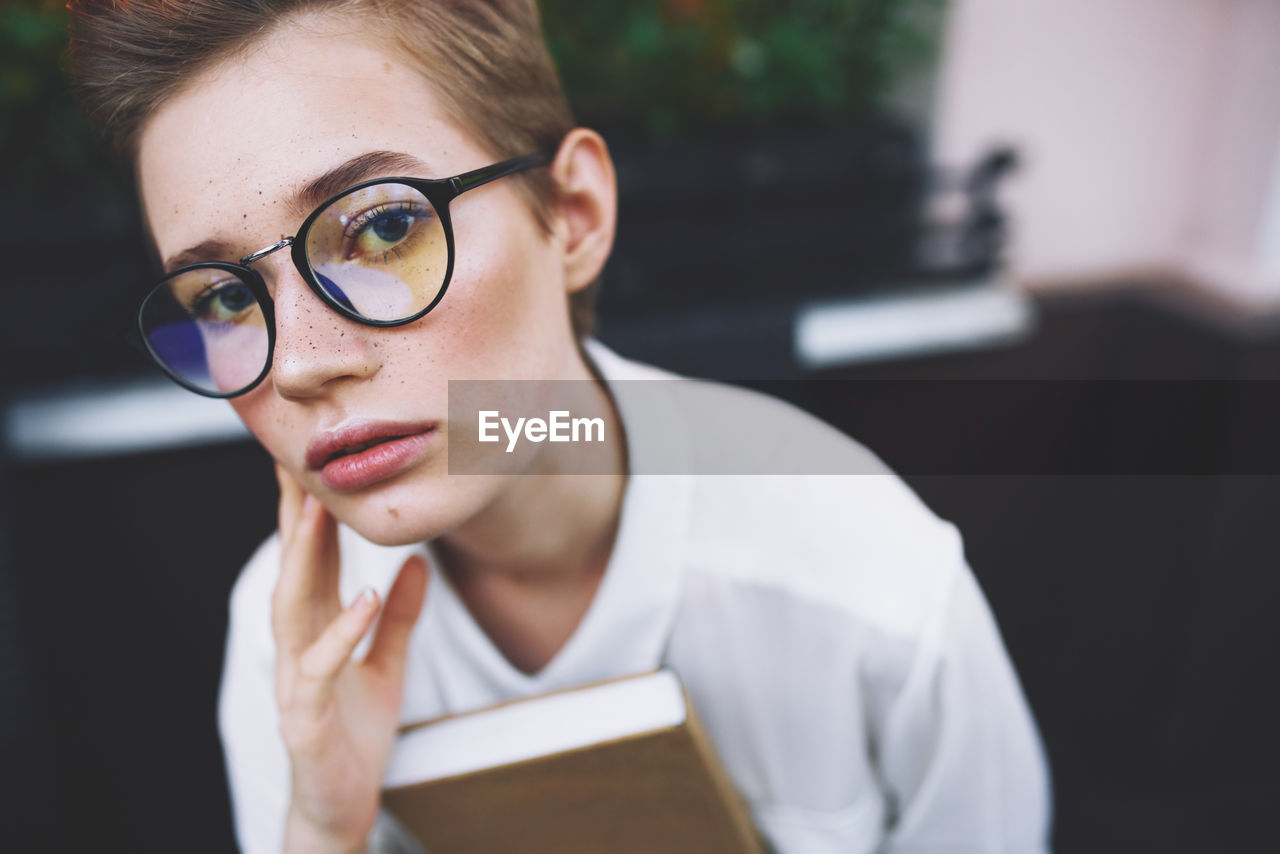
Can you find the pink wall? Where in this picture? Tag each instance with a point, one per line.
(1149, 128)
(1228, 247)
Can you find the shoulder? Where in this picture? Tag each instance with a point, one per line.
(258, 575)
(795, 508)
(721, 428)
(865, 547)
(249, 618)
(822, 522)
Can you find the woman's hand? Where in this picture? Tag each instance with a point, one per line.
(338, 717)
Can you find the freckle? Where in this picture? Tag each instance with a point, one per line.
(395, 514)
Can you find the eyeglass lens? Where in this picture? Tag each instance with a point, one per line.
(380, 252)
(207, 327)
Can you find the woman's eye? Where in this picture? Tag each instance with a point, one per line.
(223, 303)
(392, 228)
(383, 231)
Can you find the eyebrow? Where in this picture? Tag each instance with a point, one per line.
(209, 250)
(371, 164)
(311, 195)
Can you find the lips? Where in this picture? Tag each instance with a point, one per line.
(360, 455)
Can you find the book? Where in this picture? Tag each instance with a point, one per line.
(619, 766)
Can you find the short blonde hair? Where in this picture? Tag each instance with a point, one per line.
(486, 58)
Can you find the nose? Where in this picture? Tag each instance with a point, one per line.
(316, 349)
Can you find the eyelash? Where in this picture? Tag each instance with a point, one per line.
(361, 222)
(201, 300)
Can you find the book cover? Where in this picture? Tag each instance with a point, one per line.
(619, 766)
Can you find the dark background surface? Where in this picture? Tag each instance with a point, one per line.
(1139, 610)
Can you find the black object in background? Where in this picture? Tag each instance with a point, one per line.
(124, 567)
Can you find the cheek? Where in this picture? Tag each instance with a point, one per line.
(505, 313)
(264, 413)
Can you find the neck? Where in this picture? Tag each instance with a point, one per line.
(528, 565)
(547, 529)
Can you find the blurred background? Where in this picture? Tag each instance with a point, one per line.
(1027, 252)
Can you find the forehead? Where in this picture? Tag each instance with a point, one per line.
(220, 159)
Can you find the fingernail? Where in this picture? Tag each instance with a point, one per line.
(367, 599)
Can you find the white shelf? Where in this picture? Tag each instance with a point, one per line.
(77, 422)
(911, 323)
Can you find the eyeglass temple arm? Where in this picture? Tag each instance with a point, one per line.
(478, 177)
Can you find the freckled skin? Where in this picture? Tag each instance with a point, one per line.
(503, 317)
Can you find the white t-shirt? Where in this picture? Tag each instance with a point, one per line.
(826, 627)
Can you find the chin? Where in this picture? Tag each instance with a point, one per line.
(394, 532)
(397, 525)
(416, 511)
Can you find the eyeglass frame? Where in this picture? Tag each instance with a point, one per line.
(438, 191)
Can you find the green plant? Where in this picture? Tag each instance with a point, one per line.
(661, 67)
(44, 141)
(654, 67)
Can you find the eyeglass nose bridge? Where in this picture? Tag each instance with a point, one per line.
(265, 251)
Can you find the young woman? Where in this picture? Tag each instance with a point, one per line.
(320, 274)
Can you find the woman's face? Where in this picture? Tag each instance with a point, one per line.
(224, 168)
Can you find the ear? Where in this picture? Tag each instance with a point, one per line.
(587, 205)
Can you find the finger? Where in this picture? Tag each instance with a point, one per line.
(291, 497)
(320, 664)
(306, 594)
(404, 603)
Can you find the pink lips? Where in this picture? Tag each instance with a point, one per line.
(363, 454)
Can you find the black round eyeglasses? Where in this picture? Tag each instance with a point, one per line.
(380, 253)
